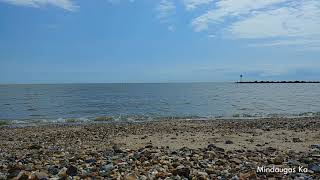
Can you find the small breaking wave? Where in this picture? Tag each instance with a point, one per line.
(143, 118)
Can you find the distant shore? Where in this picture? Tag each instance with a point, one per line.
(204, 149)
(284, 82)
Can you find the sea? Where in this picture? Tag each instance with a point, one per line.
(140, 102)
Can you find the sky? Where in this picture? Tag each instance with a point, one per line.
(127, 41)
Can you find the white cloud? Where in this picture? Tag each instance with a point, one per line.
(230, 8)
(288, 42)
(165, 9)
(301, 21)
(118, 1)
(293, 22)
(64, 4)
(192, 4)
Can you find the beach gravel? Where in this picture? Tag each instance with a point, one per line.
(216, 149)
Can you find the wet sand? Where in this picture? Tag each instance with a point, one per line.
(172, 149)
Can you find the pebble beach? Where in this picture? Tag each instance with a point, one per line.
(273, 148)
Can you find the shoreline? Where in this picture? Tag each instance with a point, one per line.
(220, 145)
(14, 123)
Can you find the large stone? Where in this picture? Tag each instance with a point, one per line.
(63, 173)
(40, 176)
(72, 171)
(314, 167)
(248, 175)
(116, 149)
(236, 161)
(107, 167)
(296, 140)
(215, 148)
(182, 171)
(23, 175)
(53, 170)
(202, 175)
(278, 160)
(13, 171)
(34, 146)
(210, 170)
(130, 177)
(315, 146)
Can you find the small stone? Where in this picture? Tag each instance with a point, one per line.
(202, 174)
(148, 146)
(221, 162)
(214, 147)
(161, 175)
(278, 160)
(175, 164)
(2, 176)
(235, 177)
(236, 160)
(210, 171)
(211, 146)
(131, 177)
(296, 140)
(143, 177)
(53, 170)
(34, 146)
(293, 162)
(41, 176)
(63, 173)
(90, 161)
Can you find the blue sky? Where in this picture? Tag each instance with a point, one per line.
(68, 41)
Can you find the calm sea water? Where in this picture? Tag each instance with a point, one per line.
(23, 103)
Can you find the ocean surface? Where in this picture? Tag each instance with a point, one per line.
(147, 102)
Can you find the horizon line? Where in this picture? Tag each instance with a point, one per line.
(178, 82)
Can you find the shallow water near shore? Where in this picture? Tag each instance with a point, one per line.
(147, 102)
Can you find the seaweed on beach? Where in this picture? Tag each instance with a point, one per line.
(3, 123)
(103, 118)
